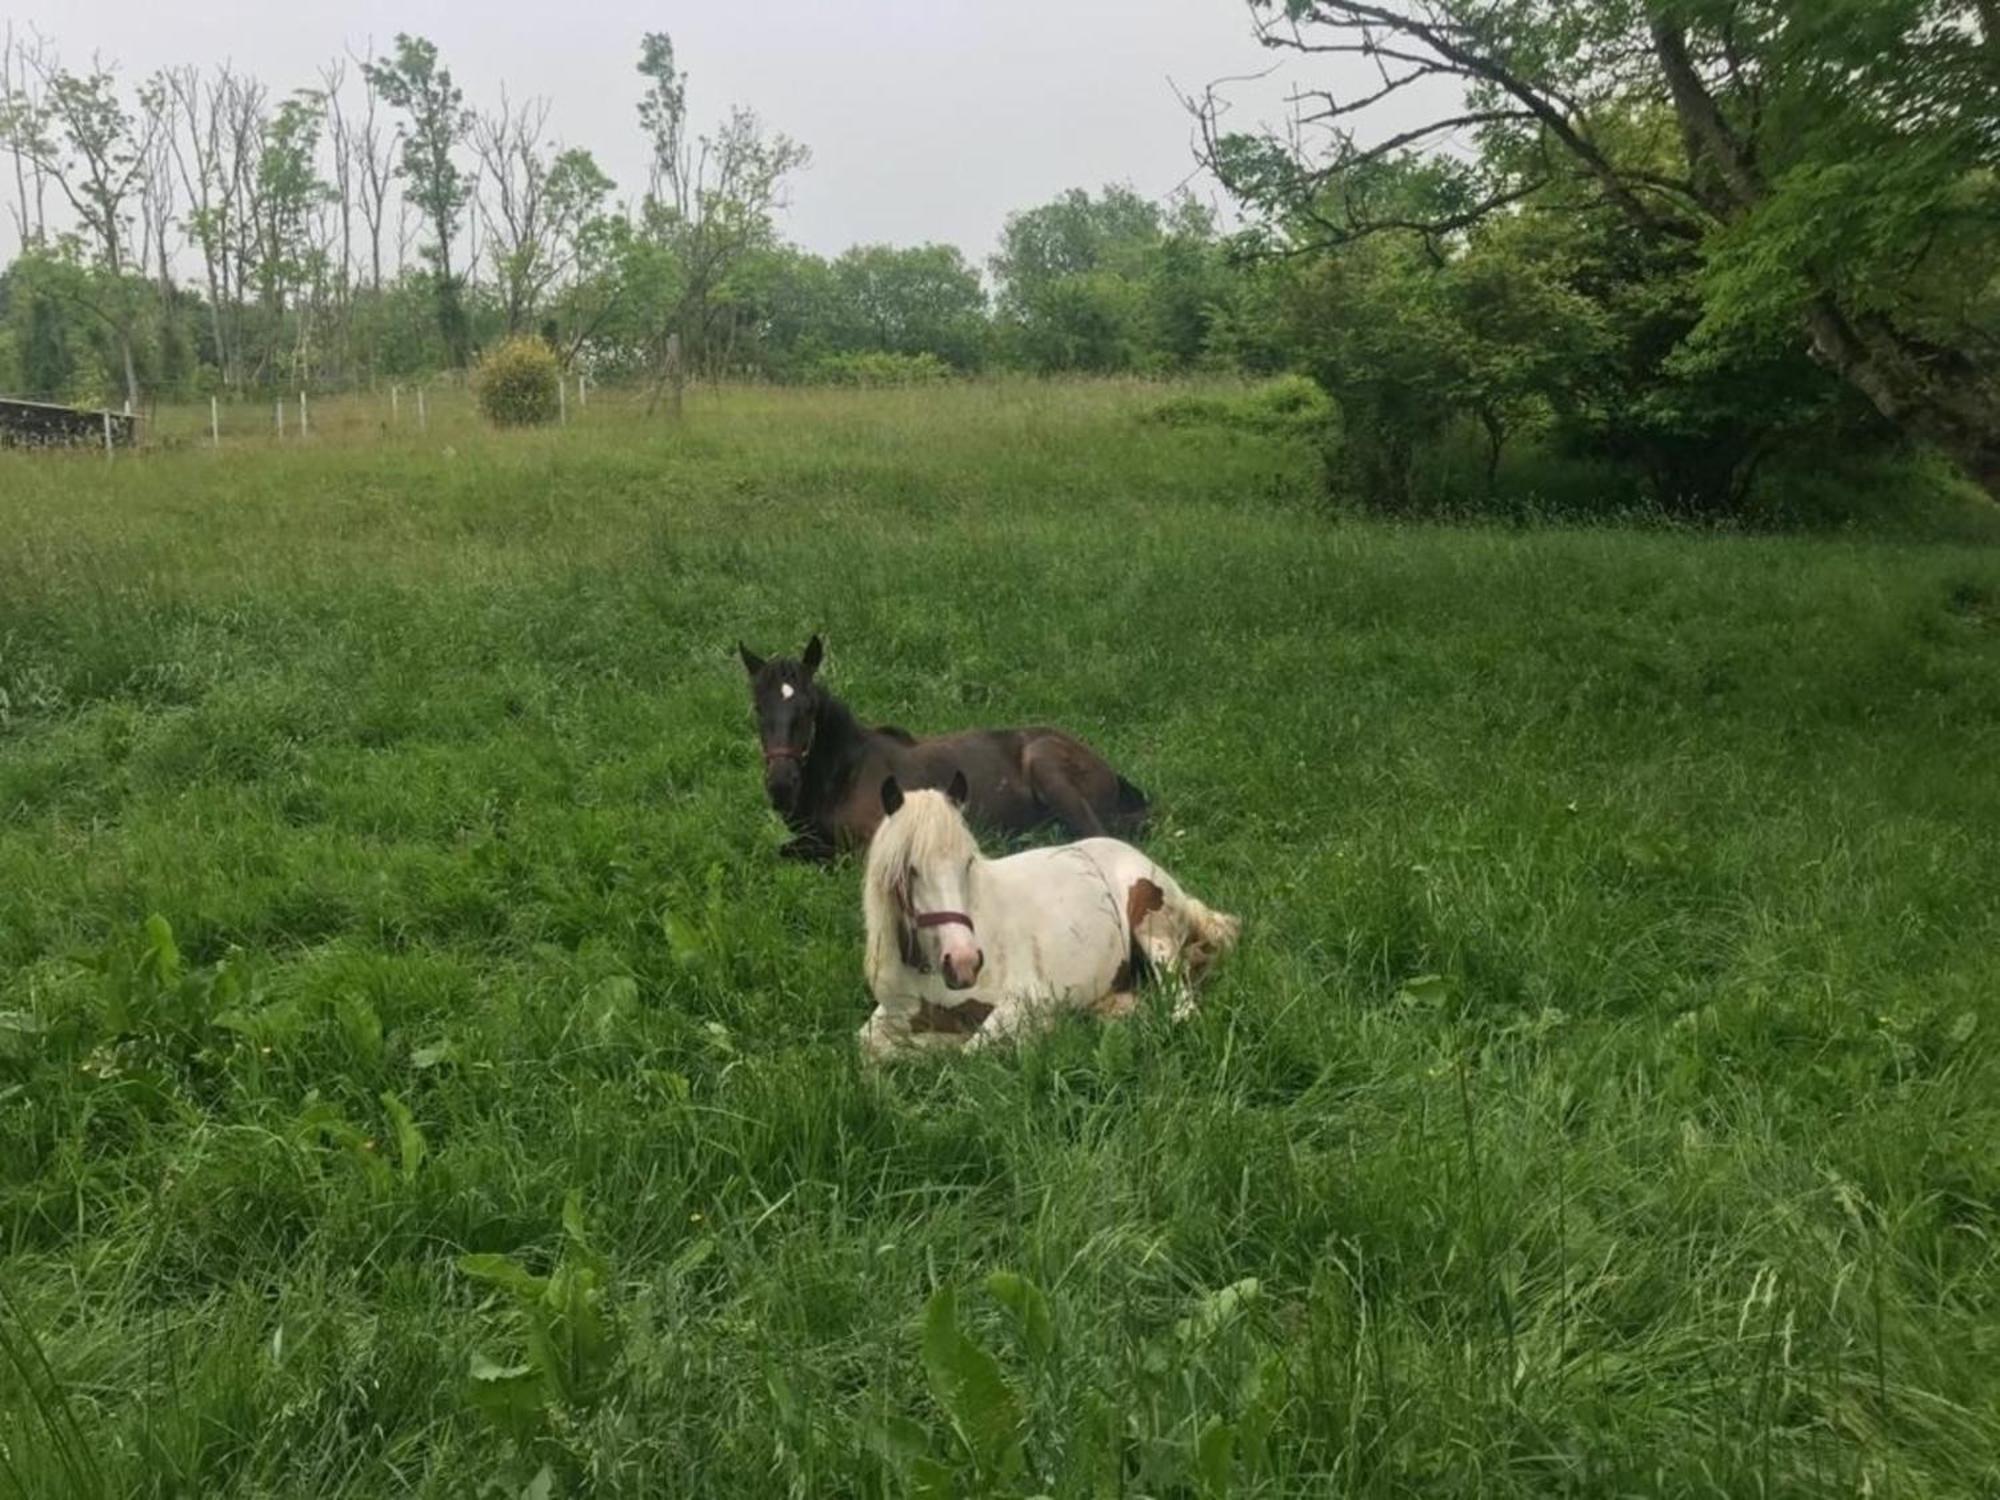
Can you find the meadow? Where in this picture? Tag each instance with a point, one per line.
(418, 1075)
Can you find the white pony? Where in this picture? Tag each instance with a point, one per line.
(965, 951)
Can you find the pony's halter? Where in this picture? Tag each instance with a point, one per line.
(931, 918)
(783, 752)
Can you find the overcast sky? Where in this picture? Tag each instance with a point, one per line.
(927, 119)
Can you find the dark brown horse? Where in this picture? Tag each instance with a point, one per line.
(823, 769)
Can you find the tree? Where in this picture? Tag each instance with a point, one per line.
(81, 136)
(374, 155)
(1110, 282)
(436, 121)
(289, 188)
(707, 210)
(19, 108)
(542, 208)
(921, 300)
(1833, 164)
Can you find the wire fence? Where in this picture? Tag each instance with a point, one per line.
(170, 419)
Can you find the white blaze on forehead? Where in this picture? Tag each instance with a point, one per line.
(785, 689)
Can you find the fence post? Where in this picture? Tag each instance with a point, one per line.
(279, 407)
(107, 434)
(214, 424)
(423, 418)
(674, 370)
(303, 425)
(395, 405)
(582, 389)
(562, 400)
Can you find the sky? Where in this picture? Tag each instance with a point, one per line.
(927, 119)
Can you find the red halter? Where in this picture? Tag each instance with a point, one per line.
(931, 918)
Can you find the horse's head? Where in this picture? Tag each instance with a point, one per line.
(923, 857)
(787, 701)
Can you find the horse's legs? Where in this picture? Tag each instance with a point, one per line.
(882, 1038)
(1179, 935)
(1011, 1021)
(1055, 788)
(811, 845)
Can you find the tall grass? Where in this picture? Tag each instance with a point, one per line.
(1603, 1100)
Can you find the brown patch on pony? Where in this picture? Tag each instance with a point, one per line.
(1116, 1006)
(1143, 899)
(950, 1020)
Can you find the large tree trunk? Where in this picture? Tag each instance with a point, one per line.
(1946, 402)
(1952, 409)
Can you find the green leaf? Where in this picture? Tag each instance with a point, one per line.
(783, 1398)
(362, 1027)
(899, 1438)
(1428, 990)
(1215, 1310)
(431, 1056)
(409, 1139)
(572, 1218)
(511, 1396)
(967, 1383)
(608, 1002)
(1263, 1399)
(693, 1254)
(485, 1369)
(1214, 1452)
(931, 1480)
(683, 937)
(504, 1272)
(17, 1030)
(1030, 1308)
(162, 956)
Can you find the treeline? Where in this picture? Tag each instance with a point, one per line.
(1673, 255)
(203, 232)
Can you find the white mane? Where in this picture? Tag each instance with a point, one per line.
(926, 830)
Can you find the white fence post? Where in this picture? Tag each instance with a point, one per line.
(107, 433)
(214, 424)
(582, 389)
(396, 404)
(279, 407)
(303, 428)
(562, 400)
(423, 418)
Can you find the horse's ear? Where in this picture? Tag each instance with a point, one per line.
(958, 791)
(814, 654)
(892, 796)
(752, 662)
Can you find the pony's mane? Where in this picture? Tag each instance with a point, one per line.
(926, 830)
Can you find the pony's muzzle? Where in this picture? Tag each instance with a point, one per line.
(782, 781)
(960, 973)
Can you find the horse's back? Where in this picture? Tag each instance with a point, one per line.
(1121, 863)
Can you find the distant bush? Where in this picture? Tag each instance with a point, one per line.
(877, 367)
(517, 383)
(1290, 406)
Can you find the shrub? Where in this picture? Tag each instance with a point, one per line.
(878, 367)
(517, 383)
(1290, 406)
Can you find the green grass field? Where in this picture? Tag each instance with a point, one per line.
(1603, 1100)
